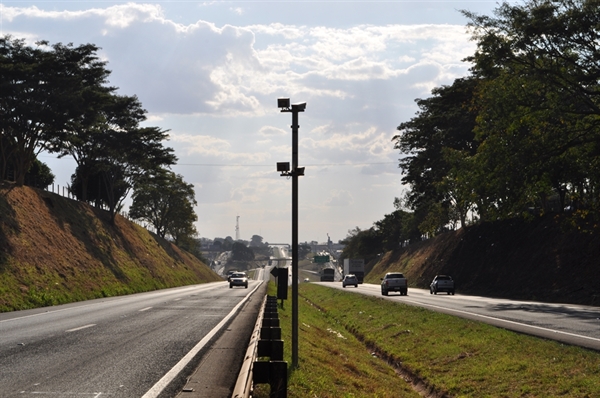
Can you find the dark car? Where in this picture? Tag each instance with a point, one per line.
(350, 280)
(238, 279)
(229, 273)
(442, 283)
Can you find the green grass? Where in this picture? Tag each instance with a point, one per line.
(450, 355)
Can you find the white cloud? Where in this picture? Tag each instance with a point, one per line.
(199, 68)
(214, 148)
(339, 198)
(237, 10)
(269, 131)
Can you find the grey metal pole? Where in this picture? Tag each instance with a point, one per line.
(284, 105)
(295, 127)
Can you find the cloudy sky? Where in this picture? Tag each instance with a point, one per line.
(211, 72)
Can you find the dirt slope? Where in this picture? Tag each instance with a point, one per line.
(547, 259)
(55, 250)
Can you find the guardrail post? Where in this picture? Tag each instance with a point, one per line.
(270, 345)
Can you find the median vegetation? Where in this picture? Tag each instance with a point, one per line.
(358, 346)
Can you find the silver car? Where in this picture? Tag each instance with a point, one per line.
(350, 280)
(238, 279)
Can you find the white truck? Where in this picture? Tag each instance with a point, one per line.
(394, 282)
(356, 267)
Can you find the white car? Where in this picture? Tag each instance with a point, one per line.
(350, 280)
(238, 279)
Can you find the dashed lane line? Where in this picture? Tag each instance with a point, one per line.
(81, 327)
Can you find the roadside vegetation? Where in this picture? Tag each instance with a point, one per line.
(354, 346)
(56, 99)
(54, 251)
(516, 139)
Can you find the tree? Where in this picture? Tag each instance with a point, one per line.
(127, 156)
(55, 98)
(39, 175)
(85, 138)
(365, 244)
(539, 123)
(25, 103)
(224, 243)
(40, 89)
(438, 144)
(166, 202)
(7, 149)
(256, 241)
(260, 248)
(395, 229)
(240, 252)
(95, 189)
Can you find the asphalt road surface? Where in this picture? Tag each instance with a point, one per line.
(138, 345)
(568, 323)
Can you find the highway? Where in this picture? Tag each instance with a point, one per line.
(137, 345)
(145, 345)
(568, 323)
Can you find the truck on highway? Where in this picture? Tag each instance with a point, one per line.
(442, 283)
(355, 266)
(394, 282)
(327, 274)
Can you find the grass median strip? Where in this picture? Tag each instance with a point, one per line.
(343, 339)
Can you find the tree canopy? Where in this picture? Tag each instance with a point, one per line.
(395, 230)
(439, 142)
(55, 98)
(166, 202)
(42, 90)
(522, 132)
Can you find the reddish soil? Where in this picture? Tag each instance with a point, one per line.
(55, 250)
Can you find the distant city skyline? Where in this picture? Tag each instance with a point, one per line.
(211, 73)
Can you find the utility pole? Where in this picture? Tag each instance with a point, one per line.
(284, 168)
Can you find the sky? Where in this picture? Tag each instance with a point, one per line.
(211, 72)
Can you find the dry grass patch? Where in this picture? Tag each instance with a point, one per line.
(55, 250)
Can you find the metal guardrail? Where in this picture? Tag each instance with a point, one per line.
(243, 385)
(265, 342)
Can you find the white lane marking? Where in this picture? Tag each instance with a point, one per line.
(145, 309)
(81, 327)
(171, 374)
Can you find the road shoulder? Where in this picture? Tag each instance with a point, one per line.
(216, 374)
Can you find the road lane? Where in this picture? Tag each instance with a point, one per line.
(568, 323)
(117, 347)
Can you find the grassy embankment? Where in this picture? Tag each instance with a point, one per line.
(370, 347)
(55, 250)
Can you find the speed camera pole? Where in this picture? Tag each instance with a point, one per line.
(284, 105)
